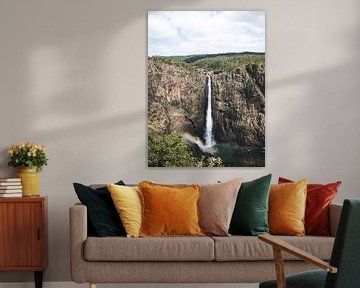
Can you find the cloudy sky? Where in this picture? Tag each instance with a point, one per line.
(203, 32)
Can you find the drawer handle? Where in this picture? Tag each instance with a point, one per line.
(38, 234)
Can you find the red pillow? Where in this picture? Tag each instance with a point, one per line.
(319, 197)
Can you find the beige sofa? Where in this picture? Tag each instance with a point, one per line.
(234, 259)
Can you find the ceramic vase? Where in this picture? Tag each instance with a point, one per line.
(30, 181)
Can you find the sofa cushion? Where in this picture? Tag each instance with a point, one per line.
(127, 201)
(244, 248)
(149, 249)
(216, 205)
(102, 216)
(169, 210)
(250, 215)
(287, 204)
(318, 199)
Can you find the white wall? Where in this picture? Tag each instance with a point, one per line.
(73, 77)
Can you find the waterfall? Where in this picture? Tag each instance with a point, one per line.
(209, 138)
(197, 141)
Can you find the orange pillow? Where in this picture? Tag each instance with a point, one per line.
(287, 204)
(169, 210)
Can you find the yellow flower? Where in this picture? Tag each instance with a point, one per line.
(28, 154)
(11, 151)
(41, 147)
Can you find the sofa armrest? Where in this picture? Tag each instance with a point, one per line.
(334, 216)
(78, 235)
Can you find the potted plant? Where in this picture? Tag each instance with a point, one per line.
(30, 158)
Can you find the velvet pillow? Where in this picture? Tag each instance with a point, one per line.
(250, 215)
(216, 206)
(169, 210)
(319, 197)
(127, 201)
(102, 214)
(287, 204)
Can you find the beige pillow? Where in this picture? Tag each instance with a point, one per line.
(216, 205)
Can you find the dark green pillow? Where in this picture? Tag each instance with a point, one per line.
(103, 218)
(250, 216)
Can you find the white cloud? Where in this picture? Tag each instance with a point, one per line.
(195, 32)
(160, 27)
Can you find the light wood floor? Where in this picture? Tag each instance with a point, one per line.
(74, 285)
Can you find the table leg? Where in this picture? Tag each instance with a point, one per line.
(38, 279)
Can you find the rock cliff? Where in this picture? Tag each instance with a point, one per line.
(239, 107)
(176, 101)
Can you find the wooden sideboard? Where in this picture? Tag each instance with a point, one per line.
(23, 235)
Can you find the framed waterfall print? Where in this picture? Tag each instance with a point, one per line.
(206, 88)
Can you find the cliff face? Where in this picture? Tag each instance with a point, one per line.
(175, 99)
(239, 107)
(176, 102)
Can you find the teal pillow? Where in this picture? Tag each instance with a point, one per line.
(103, 218)
(250, 216)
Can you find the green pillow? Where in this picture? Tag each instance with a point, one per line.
(250, 216)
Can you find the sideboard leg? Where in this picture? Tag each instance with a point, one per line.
(38, 279)
(92, 285)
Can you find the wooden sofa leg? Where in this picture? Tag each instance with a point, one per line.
(92, 285)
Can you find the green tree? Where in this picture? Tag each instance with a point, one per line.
(172, 151)
(169, 151)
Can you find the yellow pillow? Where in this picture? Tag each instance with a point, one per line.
(287, 204)
(127, 201)
(169, 210)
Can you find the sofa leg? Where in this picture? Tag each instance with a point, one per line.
(92, 285)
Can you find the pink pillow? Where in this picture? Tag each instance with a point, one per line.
(216, 205)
